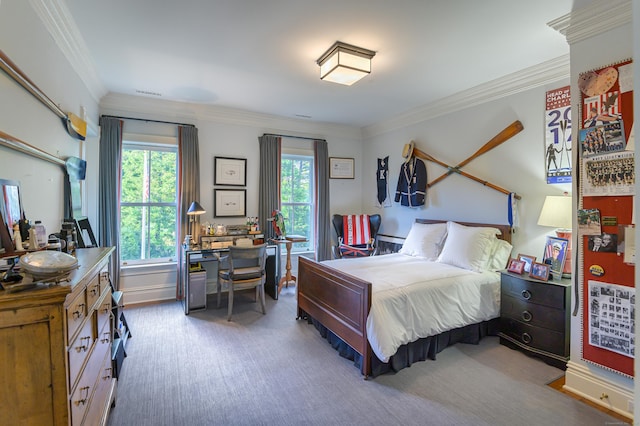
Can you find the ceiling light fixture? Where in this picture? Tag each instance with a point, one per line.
(345, 64)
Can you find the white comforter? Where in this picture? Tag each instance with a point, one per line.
(414, 298)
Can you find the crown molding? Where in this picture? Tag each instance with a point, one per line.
(594, 19)
(183, 112)
(539, 75)
(58, 21)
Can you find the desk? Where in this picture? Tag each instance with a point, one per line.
(288, 242)
(194, 254)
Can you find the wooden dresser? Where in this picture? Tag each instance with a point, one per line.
(534, 317)
(55, 348)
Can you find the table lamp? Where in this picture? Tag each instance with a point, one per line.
(194, 210)
(556, 212)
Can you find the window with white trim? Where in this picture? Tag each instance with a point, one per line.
(148, 203)
(297, 198)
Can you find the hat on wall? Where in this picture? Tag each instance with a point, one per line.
(407, 151)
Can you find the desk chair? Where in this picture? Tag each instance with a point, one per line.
(364, 248)
(243, 268)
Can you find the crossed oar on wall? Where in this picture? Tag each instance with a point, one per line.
(506, 134)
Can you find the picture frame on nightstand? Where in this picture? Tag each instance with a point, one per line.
(528, 261)
(516, 266)
(540, 271)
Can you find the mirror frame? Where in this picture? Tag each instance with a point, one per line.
(6, 232)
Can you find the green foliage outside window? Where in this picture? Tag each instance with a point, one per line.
(148, 203)
(296, 197)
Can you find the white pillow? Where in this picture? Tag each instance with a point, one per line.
(500, 255)
(424, 240)
(468, 247)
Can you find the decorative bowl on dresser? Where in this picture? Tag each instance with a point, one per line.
(55, 346)
(534, 317)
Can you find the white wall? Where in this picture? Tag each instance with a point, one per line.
(225, 133)
(517, 165)
(28, 44)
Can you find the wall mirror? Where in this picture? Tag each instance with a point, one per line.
(11, 211)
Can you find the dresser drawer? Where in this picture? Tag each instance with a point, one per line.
(86, 386)
(76, 313)
(78, 351)
(530, 313)
(93, 292)
(103, 309)
(101, 394)
(535, 337)
(534, 292)
(105, 280)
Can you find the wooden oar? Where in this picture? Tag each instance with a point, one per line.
(426, 156)
(506, 134)
(76, 126)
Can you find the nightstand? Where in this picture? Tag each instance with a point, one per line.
(535, 317)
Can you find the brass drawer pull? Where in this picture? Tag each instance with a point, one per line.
(94, 290)
(526, 294)
(83, 348)
(526, 338)
(83, 401)
(526, 316)
(108, 374)
(80, 312)
(107, 338)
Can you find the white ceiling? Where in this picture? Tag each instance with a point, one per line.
(260, 55)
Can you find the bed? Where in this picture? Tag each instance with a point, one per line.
(382, 313)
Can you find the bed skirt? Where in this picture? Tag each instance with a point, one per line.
(420, 350)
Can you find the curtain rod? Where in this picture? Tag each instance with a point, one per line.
(294, 137)
(149, 121)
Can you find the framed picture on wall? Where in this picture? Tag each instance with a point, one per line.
(230, 171)
(230, 202)
(341, 168)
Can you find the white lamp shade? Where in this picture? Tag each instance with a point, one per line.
(556, 212)
(345, 64)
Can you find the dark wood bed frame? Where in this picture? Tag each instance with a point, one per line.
(341, 302)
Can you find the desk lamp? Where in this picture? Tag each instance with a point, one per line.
(556, 212)
(194, 210)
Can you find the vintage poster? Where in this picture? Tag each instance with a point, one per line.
(612, 317)
(609, 174)
(558, 136)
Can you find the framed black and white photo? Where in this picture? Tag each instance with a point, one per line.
(230, 202)
(341, 168)
(230, 171)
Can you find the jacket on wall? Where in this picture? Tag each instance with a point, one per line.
(412, 183)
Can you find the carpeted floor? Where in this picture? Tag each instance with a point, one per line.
(273, 370)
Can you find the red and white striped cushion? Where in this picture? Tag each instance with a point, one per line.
(356, 229)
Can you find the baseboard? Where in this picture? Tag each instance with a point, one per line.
(580, 381)
(147, 294)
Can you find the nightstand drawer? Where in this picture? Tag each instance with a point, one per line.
(532, 314)
(534, 292)
(535, 337)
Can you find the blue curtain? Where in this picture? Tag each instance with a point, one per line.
(188, 183)
(323, 228)
(109, 195)
(269, 182)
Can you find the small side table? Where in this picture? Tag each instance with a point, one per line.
(288, 243)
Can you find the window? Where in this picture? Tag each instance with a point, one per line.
(148, 202)
(296, 198)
